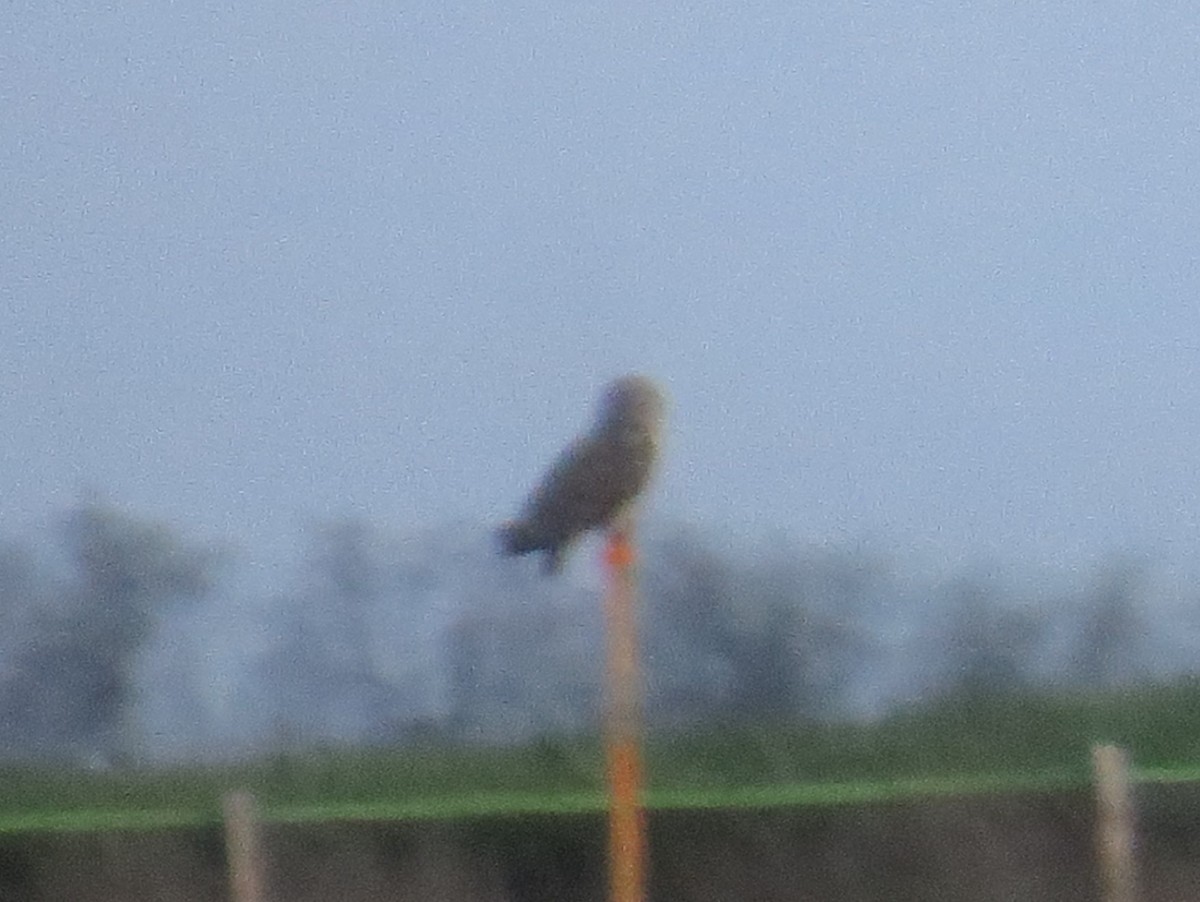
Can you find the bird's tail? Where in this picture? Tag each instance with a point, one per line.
(517, 537)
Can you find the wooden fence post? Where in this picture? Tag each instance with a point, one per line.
(623, 728)
(243, 849)
(1114, 824)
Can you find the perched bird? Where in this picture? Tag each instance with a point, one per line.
(596, 476)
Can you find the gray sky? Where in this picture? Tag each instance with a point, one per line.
(926, 273)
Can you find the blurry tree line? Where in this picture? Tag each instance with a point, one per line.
(129, 640)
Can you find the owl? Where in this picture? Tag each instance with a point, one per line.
(595, 478)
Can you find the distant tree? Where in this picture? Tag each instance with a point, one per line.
(691, 637)
(811, 603)
(988, 647)
(21, 589)
(1110, 646)
(523, 657)
(71, 684)
(750, 641)
(358, 636)
(345, 569)
(322, 669)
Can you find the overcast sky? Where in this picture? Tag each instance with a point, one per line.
(923, 273)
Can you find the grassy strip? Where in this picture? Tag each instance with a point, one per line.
(865, 791)
(961, 746)
(489, 805)
(85, 820)
(442, 809)
(527, 804)
(794, 795)
(1183, 773)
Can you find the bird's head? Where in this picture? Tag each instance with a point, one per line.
(632, 402)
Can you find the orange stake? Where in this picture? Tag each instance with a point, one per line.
(627, 842)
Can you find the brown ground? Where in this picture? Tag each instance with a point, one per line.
(1024, 848)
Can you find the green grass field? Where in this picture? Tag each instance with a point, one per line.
(957, 746)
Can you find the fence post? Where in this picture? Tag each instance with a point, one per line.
(623, 727)
(243, 849)
(1114, 824)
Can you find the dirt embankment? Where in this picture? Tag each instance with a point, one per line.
(1025, 848)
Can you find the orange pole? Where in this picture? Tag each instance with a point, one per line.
(627, 842)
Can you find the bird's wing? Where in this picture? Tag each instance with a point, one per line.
(581, 490)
